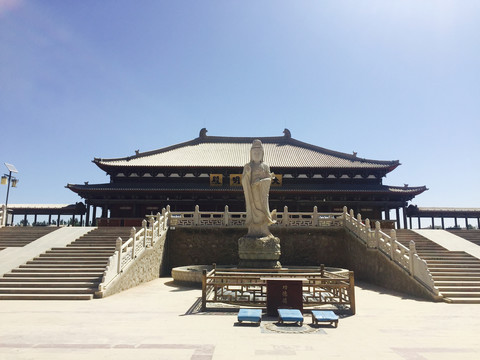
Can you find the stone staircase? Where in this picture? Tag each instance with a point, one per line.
(19, 236)
(470, 235)
(65, 273)
(456, 274)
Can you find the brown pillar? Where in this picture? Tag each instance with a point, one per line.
(404, 211)
(456, 224)
(87, 216)
(433, 222)
(398, 218)
(419, 224)
(443, 223)
(466, 223)
(49, 219)
(58, 220)
(35, 220)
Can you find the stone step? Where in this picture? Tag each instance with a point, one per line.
(52, 274)
(448, 257)
(456, 280)
(77, 261)
(453, 262)
(50, 290)
(100, 250)
(465, 300)
(80, 284)
(459, 288)
(50, 270)
(73, 256)
(58, 266)
(46, 297)
(454, 266)
(50, 279)
(461, 294)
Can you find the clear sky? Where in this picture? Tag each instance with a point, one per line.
(391, 80)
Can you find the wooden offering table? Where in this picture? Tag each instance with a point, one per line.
(284, 293)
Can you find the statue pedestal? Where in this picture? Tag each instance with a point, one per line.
(259, 252)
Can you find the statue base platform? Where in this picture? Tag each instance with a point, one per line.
(259, 252)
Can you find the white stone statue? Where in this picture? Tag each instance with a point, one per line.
(259, 248)
(256, 180)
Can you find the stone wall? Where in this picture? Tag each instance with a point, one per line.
(334, 247)
(148, 266)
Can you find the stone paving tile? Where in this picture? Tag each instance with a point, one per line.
(150, 322)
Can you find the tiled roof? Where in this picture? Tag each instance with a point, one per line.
(323, 188)
(212, 151)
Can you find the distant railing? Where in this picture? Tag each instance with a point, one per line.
(3, 215)
(249, 287)
(237, 219)
(406, 258)
(126, 252)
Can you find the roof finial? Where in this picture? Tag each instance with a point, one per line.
(287, 133)
(203, 133)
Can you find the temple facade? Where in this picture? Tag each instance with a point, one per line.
(207, 171)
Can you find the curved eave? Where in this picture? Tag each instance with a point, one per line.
(113, 163)
(407, 192)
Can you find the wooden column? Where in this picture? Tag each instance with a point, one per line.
(94, 216)
(456, 224)
(58, 220)
(404, 211)
(419, 224)
(466, 223)
(34, 219)
(49, 219)
(73, 220)
(25, 220)
(443, 223)
(433, 222)
(410, 220)
(387, 213)
(398, 218)
(87, 216)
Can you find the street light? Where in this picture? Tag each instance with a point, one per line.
(10, 179)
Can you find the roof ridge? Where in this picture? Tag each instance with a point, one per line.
(281, 140)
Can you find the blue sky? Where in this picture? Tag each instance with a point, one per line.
(391, 80)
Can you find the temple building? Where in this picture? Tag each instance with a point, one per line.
(207, 171)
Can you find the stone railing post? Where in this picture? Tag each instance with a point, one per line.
(413, 252)
(133, 236)
(286, 218)
(377, 234)
(344, 215)
(196, 216)
(158, 218)
(393, 243)
(226, 216)
(359, 224)
(144, 225)
(164, 223)
(169, 216)
(152, 232)
(3, 221)
(368, 230)
(118, 248)
(315, 220)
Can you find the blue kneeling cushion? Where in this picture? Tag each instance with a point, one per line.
(254, 315)
(290, 315)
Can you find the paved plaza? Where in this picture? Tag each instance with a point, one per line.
(154, 321)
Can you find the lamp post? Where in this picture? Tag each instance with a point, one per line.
(11, 180)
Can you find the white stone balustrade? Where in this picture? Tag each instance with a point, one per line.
(158, 225)
(237, 219)
(127, 252)
(3, 215)
(406, 258)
